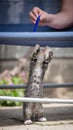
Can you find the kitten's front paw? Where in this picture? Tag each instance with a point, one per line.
(28, 122)
(42, 119)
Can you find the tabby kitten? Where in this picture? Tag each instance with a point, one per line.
(38, 66)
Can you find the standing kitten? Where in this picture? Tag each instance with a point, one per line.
(38, 66)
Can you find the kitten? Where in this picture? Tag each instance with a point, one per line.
(38, 66)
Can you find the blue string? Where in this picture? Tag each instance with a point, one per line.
(36, 24)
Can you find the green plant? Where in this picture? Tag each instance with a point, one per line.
(17, 80)
(13, 92)
(3, 81)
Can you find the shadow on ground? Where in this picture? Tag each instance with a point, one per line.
(14, 116)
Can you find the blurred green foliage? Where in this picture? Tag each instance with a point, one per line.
(17, 80)
(3, 81)
(13, 92)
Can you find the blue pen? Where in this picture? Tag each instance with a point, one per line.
(36, 24)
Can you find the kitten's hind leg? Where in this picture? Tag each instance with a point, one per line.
(42, 119)
(27, 112)
(27, 119)
(40, 113)
(28, 122)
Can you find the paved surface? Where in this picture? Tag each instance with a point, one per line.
(59, 116)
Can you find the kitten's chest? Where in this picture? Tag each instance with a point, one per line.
(35, 88)
(37, 72)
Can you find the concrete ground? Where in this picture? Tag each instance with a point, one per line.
(59, 117)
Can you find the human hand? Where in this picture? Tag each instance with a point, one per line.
(43, 16)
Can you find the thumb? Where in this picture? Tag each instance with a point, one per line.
(42, 17)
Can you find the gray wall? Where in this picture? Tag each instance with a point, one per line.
(15, 52)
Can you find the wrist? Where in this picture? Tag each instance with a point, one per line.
(49, 19)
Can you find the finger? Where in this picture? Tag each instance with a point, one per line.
(42, 17)
(33, 21)
(32, 16)
(36, 11)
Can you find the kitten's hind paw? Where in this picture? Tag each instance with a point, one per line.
(42, 119)
(28, 122)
